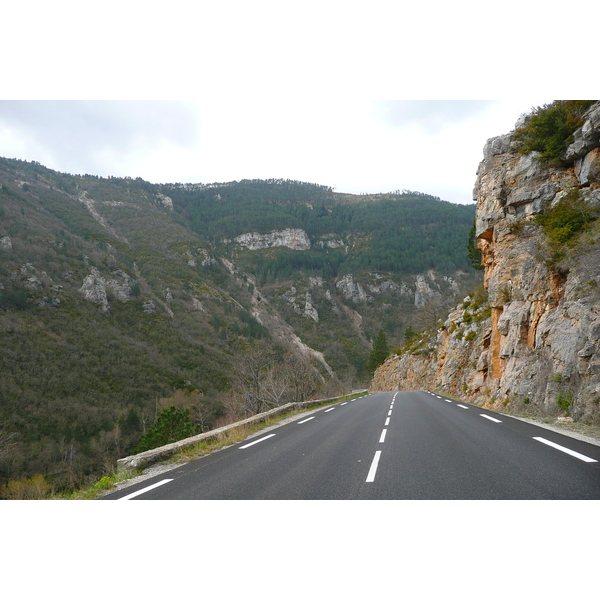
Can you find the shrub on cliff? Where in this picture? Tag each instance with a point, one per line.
(564, 221)
(549, 129)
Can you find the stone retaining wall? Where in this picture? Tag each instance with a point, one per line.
(130, 463)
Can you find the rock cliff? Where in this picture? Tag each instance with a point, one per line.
(94, 288)
(529, 340)
(295, 239)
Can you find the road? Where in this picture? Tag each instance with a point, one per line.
(389, 445)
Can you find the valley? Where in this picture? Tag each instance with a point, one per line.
(120, 299)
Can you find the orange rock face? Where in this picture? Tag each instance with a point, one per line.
(534, 346)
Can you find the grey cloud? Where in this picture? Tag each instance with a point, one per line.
(432, 116)
(85, 135)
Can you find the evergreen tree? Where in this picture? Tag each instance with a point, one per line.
(474, 253)
(172, 424)
(379, 353)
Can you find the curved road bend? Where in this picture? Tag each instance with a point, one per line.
(389, 445)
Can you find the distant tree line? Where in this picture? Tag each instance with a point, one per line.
(407, 232)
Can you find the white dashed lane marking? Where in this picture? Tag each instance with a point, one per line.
(566, 450)
(373, 469)
(490, 418)
(257, 441)
(146, 489)
(305, 420)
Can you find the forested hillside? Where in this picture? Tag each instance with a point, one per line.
(121, 299)
(401, 232)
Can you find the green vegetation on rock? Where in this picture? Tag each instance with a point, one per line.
(564, 222)
(549, 129)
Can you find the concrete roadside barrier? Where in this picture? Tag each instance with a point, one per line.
(130, 463)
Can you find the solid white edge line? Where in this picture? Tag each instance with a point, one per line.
(309, 418)
(373, 469)
(257, 441)
(567, 450)
(382, 438)
(490, 418)
(146, 489)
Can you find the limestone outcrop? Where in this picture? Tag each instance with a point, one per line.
(5, 243)
(301, 304)
(352, 290)
(95, 287)
(532, 341)
(295, 239)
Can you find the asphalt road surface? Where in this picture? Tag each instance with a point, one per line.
(389, 445)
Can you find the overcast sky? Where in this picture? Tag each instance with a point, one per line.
(362, 98)
(355, 146)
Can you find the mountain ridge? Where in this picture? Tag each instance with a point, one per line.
(113, 307)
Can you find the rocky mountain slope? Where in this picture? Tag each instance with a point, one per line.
(528, 340)
(119, 298)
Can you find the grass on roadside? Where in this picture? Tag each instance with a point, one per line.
(224, 439)
(239, 434)
(106, 483)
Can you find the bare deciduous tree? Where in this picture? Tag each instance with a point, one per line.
(430, 314)
(302, 378)
(7, 440)
(262, 381)
(248, 375)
